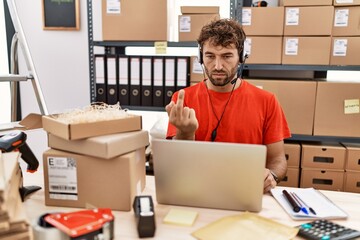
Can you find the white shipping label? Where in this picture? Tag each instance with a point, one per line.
(62, 178)
(341, 18)
(246, 17)
(344, 1)
(291, 47)
(196, 67)
(113, 7)
(185, 24)
(292, 16)
(340, 47)
(247, 46)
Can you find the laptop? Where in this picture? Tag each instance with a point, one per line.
(209, 174)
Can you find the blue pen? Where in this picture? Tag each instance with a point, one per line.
(302, 208)
(310, 208)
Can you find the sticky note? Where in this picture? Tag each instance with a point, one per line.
(180, 217)
(160, 47)
(351, 106)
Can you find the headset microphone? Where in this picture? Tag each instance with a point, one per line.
(240, 70)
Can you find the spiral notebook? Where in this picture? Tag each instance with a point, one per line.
(323, 206)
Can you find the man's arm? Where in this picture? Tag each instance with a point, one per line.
(275, 163)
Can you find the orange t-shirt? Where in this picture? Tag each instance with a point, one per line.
(252, 115)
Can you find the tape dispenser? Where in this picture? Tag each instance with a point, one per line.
(145, 216)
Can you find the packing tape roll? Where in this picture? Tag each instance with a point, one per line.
(44, 231)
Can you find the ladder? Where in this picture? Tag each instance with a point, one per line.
(13, 77)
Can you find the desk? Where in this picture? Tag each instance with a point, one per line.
(125, 227)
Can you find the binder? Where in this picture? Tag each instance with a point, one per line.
(100, 79)
(169, 79)
(158, 81)
(123, 73)
(182, 72)
(112, 79)
(135, 81)
(146, 85)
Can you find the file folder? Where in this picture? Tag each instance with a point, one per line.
(135, 81)
(169, 79)
(158, 81)
(112, 80)
(146, 85)
(100, 78)
(182, 72)
(123, 74)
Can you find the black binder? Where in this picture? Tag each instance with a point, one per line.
(100, 78)
(123, 73)
(146, 81)
(135, 92)
(158, 81)
(169, 79)
(182, 72)
(112, 79)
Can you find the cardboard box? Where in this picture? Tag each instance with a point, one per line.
(346, 3)
(352, 156)
(323, 155)
(292, 154)
(322, 179)
(306, 50)
(85, 130)
(260, 21)
(193, 19)
(308, 21)
(73, 180)
(291, 179)
(134, 20)
(307, 2)
(297, 99)
(196, 70)
(337, 111)
(344, 51)
(346, 21)
(352, 181)
(105, 146)
(31, 121)
(263, 50)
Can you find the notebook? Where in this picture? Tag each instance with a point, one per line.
(209, 174)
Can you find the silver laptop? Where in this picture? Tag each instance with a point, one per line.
(209, 174)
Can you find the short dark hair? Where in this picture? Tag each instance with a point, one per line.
(223, 32)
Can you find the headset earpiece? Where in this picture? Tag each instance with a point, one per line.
(200, 57)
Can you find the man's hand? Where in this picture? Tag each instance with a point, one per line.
(269, 181)
(183, 118)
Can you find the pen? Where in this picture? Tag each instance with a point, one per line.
(291, 200)
(310, 208)
(302, 208)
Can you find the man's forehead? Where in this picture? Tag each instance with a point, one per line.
(211, 45)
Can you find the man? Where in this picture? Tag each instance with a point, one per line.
(226, 108)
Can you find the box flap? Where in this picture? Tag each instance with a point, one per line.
(32, 121)
(199, 10)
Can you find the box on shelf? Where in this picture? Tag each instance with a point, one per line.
(346, 2)
(307, 2)
(196, 70)
(306, 50)
(134, 20)
(84, 130)
(322, 155)
(346, 21)
(105, 146)
(352, 181)
(73, 180)
(193, 18)
(291, 179)
(263, 50)
(263, 21)
(292, 154)
(352, 156)
(308, 21)
(337, 111)
(322, 179)
(297, 99)
(344, 51)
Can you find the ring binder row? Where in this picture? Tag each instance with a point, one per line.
(140, 80)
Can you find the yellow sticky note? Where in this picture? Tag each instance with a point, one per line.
(160, 47)
(351, 106)
(180, 217)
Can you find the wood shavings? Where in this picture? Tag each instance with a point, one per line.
(93, 113)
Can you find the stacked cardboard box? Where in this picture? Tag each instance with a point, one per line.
(196, 70)
(13, 221)
(352, 167)
(292, 154)
(94, 165)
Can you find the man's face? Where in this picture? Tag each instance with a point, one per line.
(220, 63)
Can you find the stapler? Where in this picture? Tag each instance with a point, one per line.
(145, 216)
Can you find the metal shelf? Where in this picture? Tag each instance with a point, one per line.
(141, 44)
(311, 138)
(300, 67)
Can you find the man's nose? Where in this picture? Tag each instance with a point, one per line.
(218, 64)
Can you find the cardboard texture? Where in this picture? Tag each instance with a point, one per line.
(310, 21)
(135, 20)
(323, 156)
(346, 21)
(322, 179)
(297, 99)
(85, 130)
(263, 21)
(95, 182)
(193, 19)
(291, 179)
(352, 181)
(346, 3)
(292, 154)
(306, 50)
(105, 146)
(352, 162)
(263, 50)
(345, 51)
(196, 71)
(337, 111)
(307, 2)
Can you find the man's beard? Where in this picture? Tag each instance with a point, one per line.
(220, 82)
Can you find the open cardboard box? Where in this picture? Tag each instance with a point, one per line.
(31, 121)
